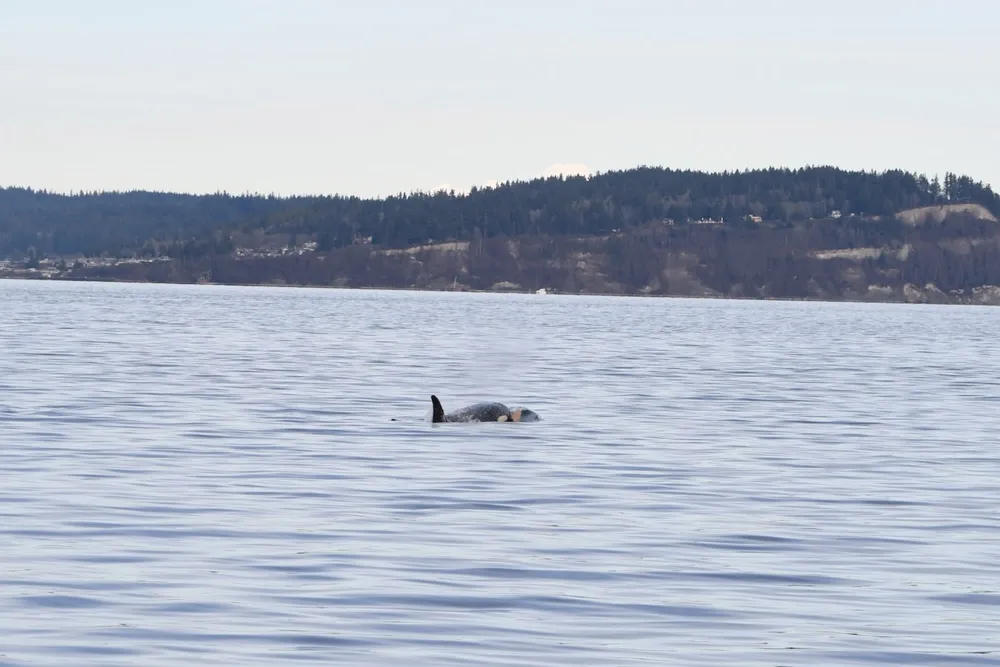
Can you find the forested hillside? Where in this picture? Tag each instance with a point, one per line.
(37, 223)
(819, 233)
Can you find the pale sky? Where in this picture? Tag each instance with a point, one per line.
(376, 97)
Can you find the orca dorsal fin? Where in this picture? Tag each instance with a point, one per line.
(438, 410)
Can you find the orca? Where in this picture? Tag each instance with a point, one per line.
(489, 411)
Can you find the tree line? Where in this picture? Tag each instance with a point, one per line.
(36, 223)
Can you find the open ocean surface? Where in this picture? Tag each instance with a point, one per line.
(203, 475)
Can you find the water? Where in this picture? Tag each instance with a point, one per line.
(209, 475)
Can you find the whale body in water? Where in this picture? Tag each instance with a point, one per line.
(489, 411)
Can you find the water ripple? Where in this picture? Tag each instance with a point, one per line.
(208, 475)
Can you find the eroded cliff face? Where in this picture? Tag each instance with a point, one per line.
(938, 214)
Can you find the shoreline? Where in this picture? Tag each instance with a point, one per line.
(903, 302)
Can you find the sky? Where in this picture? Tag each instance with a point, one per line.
(377, 97)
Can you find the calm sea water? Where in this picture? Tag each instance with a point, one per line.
(209, 475)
